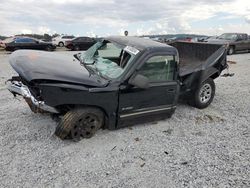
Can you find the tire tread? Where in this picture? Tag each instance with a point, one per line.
(194, 100)
(64, 126)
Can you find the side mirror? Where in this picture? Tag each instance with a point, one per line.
(139, 81)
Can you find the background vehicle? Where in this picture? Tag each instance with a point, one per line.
(80, 43)
(7, 40)
(199, 39)
(60, 40)
(235, 41)
(210, 38)
(28, 43)
(179, 38)
(118, 82)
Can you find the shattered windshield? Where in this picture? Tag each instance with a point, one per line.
(228, 36)
(108, 59)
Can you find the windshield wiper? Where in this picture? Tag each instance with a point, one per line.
(78, 57)
(88, 66)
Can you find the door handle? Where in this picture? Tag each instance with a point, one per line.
(170, 90)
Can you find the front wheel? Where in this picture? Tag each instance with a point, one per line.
(203, 95)
(80, 123)
(231, 50)
(61, 44)
(15, 49)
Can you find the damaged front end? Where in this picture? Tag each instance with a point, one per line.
(16, 87)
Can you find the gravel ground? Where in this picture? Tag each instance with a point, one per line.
(195, 148)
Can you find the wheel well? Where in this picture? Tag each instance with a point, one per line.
(195, 85)
(215, 75)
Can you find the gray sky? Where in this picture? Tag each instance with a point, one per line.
(111, 17)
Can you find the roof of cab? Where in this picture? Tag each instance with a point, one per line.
(140, 43)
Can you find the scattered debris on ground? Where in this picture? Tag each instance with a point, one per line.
(231, 62)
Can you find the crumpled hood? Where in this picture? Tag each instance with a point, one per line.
(38, 65)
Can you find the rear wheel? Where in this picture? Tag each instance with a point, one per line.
(61, 44)
(203, 95)
(16, 48)
(231, 50)
(80, 123)
(76, 48)
(49, 48)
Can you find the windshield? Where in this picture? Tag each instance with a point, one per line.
(228, 36)
(108, 59)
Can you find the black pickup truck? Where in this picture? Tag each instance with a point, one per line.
(118, 82)
(234, 41)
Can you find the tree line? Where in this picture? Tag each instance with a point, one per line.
(45, 37)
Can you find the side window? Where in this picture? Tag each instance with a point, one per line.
(89, 40)
(80, 39)
(24, 40)
(159, 68)
(240, 37)
(244, 37)
(18, 40)
(30, 40)
(68, 37)
(86, 39)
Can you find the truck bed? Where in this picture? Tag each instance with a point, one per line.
(194, 57)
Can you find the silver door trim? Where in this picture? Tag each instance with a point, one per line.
(146, 111)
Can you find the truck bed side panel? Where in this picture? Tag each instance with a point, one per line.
(197, 56)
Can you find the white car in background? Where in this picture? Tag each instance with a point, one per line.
(7, 40)
(61, 40)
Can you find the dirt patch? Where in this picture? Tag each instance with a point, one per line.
(168, 132)
(208, 118)
(231, 62)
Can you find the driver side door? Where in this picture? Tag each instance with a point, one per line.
(158, 101)
(239, 44)
(31, 44)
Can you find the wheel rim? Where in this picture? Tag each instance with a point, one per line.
(231, 50)
(61, 44)
(49, 48)
(85, 127)
(205, 93)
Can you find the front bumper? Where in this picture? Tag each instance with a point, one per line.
(18, 88)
